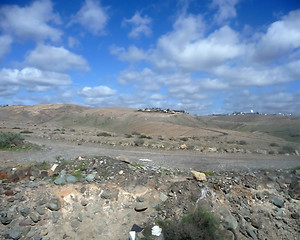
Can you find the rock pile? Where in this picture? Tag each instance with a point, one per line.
(102, 198)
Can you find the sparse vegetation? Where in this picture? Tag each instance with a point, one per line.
(198, 224)
(43, 165)
(184, 139)
(7, 140)
(139, 142)
(274, 145)
(26, 132)
(77, 174)
(242, 142)
(145, 136)
(103, 134)
(128, 135)
(135, 133)
(287, 149)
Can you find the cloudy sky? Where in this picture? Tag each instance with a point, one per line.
(202, 56)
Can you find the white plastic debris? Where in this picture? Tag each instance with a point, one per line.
(156, 231)
(54, 166)
(132, 235)
(206, 192)
(145, 160)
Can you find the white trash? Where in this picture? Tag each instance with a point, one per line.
(156, 231)
(132, 235)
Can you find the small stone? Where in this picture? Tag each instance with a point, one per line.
(12, 199)
(40, 210)
(24, 212)
(55, 216)
(199, 176)
(90, 177)
(9, 193)
(54, 204)
(140, 199)
(34, 217)
(250, 232)
(277, 202)
(121, 172)
(60, 181)
(70, 178)
(79, 217)
(44, 174)
(4, 218)
(44, 232)
(74, 224)
(295, 215)
(163, 197)
(84, 202)
(30, 234)
(25, 222)
(37, 237)
(154, 204)
(141, 206)
(170, 194)
(14, 233)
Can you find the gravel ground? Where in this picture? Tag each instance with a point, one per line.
(170, 159)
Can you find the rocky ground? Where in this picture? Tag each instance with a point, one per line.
(103, 198)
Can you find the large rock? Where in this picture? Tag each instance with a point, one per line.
(141, 206)
(294, 189)
(199, 176)
(229, 222)
(278, 202)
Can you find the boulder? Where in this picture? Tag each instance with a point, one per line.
(294, 189)
(199, 176)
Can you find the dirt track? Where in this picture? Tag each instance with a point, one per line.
(175, 159)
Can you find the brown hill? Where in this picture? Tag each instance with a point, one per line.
(123, 126)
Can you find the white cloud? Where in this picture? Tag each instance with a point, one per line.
(140, 25)
(5, 42)
(187, 48)
(97, 92)
(132, 54)
(146, 80)
(56, 59)
(73, 42)
(30, 22)
(226, 10)
(281, 38)
(263, 101)
(32, 79)
(92, 16)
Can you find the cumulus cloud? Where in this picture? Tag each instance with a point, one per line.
(31, 78)
(187, 48)
(225, 10)
(97, 92)
(92, 16)
(132, 54)
(281, 38)
(140, 25)
(263, 101)
(57, 59)
(30, 22)
(5, 42)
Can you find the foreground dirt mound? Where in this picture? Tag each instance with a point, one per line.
(102, 198)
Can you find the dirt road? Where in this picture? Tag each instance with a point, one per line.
(169, 159)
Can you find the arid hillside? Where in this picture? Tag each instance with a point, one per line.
(170, 131)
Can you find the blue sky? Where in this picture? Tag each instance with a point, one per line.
(209, 56)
